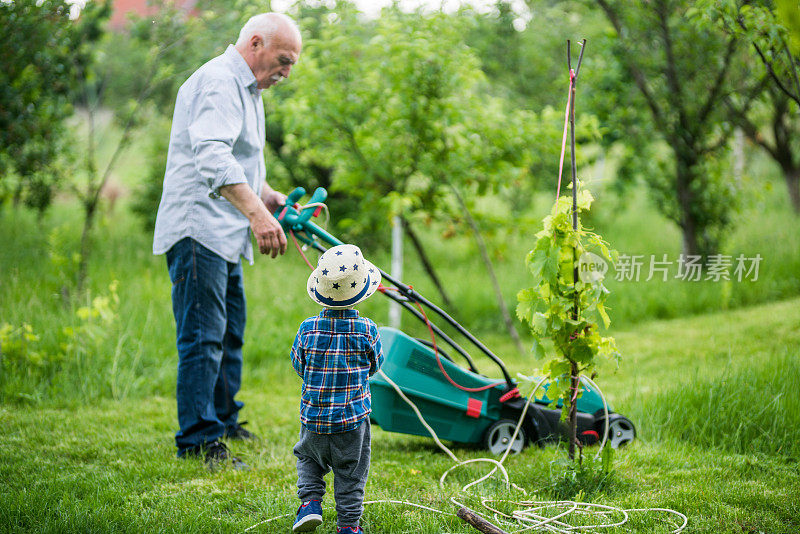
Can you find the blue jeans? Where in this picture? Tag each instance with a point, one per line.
(209, 306)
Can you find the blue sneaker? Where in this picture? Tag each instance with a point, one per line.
(309, 516)
(349, 530)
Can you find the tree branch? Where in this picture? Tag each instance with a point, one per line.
(351, 138)
(673, 80)
(749, 128)
(713, 94)
(792, 67)
(636, 72)
(426, 264)
(488, 262)
(770, 70)
(721, 142)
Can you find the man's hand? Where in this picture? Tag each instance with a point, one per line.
(269, 235)
(274, 200)
(266, 228)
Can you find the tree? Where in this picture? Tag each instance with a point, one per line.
(773, 124)
(758, 25)
(525, 63)
(159, 63)
(681, 73)
(525, 66)
(405, 128)
(43, 54)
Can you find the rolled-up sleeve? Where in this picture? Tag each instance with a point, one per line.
(214, 125)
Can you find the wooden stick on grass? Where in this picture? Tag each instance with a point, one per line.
(478, 522)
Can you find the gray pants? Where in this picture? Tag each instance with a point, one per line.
(347, 454)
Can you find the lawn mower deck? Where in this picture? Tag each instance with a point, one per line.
(481, 417)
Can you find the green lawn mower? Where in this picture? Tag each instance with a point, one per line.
(459, 403)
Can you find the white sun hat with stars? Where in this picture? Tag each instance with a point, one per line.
(343, 278)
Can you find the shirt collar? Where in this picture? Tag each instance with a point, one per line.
(350, 313)
(241, 69)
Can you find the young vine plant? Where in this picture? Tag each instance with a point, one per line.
(565, 306)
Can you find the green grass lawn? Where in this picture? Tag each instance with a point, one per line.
(108, 465)
(710, 376)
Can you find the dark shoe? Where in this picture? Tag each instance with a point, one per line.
(217, 455)
(238, 432)
(349, 530)
(309, 516)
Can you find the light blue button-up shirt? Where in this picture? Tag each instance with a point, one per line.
(217, 139)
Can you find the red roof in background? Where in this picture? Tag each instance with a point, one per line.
(119, 15)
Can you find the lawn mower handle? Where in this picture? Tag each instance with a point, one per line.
(296, 219)
(290, 216)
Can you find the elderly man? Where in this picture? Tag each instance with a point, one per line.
(215, 194)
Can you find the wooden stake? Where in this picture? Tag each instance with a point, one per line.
(574, 378)
(478, 522)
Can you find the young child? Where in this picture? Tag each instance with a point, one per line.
(335, 353)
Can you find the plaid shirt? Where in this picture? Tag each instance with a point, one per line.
(335, 353)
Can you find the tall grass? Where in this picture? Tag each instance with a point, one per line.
(72, 358)
(751, 407)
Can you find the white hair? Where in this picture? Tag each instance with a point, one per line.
(265, 26)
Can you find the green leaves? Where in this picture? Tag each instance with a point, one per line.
(389, 115)
(44, 57)
(526, 301)
(581, 351)
(562, 311)
(538, 350)
(602, 311)
(540, 323)
(585, 199)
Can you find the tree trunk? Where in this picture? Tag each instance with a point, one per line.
(690, 246)
(90, 209)
(90, 200)
(488, 262)
(687, 222)
(792, 177)
(426, 264)
(785, 151)
(738, 156)
(17, 197)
